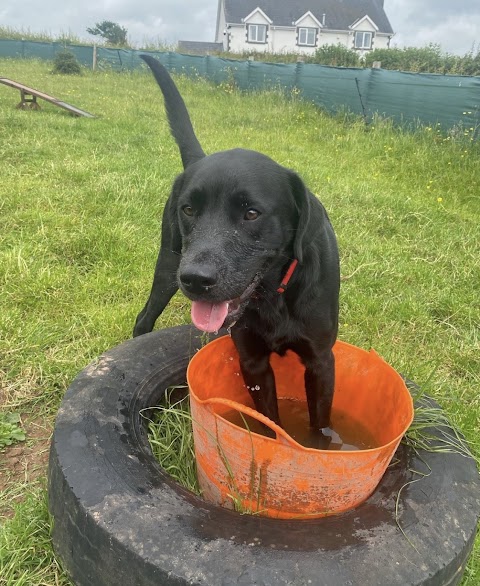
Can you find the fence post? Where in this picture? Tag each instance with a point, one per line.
(94, 57)
(207, 63)
(365, 118)
(298, 71)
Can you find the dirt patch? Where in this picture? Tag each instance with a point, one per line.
(24, 464)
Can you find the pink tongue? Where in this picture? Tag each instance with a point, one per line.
(209, 317)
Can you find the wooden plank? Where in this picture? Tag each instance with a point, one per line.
(30, 91)
(74, 109)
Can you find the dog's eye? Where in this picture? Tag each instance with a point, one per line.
(187, 210)
(251, 214)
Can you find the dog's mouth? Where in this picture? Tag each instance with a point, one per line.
(210, 316)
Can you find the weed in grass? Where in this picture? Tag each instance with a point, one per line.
(10, 430)
(255, 483)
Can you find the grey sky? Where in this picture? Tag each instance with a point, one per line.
(454, 25)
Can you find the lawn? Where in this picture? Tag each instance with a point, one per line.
(81, 201)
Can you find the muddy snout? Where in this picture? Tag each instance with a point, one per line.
(196, 279)
(211, 278)
(217, 268)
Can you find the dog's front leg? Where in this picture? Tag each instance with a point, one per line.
(319, 387)
(164, 286)
(257, 373)
(165, 283)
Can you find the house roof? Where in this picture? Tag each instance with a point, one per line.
(339, 14)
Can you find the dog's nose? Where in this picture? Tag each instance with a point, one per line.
(198, 279)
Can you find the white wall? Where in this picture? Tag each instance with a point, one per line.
(283, 40)
(365, 26)
(381, 41)
(308, 21)
(336, 38)
(221, 37)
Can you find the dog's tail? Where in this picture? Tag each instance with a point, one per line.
(177, 113)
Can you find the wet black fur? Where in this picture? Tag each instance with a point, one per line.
(213, 250)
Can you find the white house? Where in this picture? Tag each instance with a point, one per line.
(301, 26)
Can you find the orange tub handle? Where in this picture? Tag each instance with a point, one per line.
(282, 436)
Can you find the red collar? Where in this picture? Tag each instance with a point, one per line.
(288, 276)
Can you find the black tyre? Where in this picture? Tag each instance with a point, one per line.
(120, 520)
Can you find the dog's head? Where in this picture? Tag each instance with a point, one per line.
(233, 216)
(238, 215)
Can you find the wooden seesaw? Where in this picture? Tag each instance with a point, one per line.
(28, 99)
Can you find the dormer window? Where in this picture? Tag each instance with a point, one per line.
(307, 36)
(257, 33)
(363, 40)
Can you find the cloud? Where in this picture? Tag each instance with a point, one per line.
(168, 20)
(454, 25)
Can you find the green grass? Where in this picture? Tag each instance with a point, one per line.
(170, 434)
(80, 205)
(26, 554)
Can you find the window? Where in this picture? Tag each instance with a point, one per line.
(257, 33)
(307, 36)
(363, 40)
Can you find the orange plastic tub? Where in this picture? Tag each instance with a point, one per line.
(278, 477)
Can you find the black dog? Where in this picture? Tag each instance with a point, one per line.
(252, 248)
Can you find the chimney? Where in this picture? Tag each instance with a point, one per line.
(323, 18)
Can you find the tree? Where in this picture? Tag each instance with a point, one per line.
(112, 32)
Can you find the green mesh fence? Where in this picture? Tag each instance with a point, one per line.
(410, 99)
(447, 100)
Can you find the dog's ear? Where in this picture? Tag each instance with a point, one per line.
(171, 236)
(302, 203)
